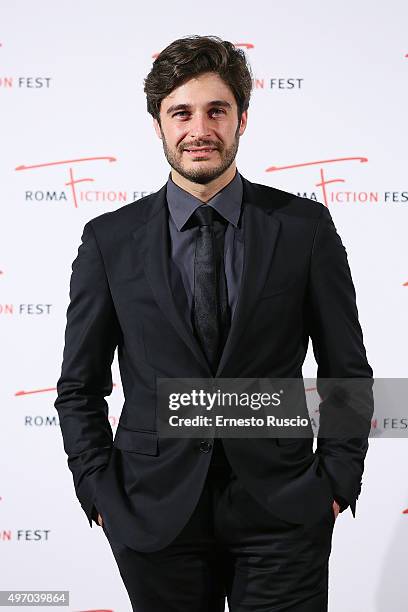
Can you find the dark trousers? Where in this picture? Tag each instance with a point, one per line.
(231, 547)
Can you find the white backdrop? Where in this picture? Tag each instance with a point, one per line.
(330, 101)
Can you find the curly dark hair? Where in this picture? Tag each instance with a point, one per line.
(190, 56)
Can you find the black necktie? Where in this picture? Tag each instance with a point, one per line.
(211, 316)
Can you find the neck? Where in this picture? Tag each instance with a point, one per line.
(204, 192)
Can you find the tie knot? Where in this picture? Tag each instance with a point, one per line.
(203, 215)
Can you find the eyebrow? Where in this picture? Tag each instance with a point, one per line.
(175, 107)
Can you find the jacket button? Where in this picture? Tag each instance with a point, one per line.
(205, 446)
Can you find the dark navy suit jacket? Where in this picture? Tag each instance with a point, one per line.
(296, 285)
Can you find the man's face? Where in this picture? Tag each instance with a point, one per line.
(201, 112)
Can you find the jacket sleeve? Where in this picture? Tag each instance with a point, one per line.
(91, 336)
(339, 351)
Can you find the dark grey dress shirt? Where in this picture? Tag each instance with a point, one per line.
(181, 205)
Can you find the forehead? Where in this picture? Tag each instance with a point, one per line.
(200, 90)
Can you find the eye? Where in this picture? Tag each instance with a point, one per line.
(218, 110)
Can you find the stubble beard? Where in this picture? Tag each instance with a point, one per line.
(202, 171)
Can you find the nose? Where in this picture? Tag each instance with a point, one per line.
(199, 126)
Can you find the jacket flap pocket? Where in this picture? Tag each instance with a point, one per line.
(285, 441)
(136, 440)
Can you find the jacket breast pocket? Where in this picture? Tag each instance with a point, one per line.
(272, 288)
(137, 441)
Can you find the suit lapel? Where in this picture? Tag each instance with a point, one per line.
(260, 235)
(157, 271)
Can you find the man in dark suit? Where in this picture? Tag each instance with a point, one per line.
(211, 276)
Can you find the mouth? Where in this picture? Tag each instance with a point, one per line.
(199, 152)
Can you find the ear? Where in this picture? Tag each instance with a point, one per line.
(243, 122)
(157, 128)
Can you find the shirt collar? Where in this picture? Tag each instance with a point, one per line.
(226, 202)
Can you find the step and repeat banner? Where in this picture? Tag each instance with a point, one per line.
(327, 121)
